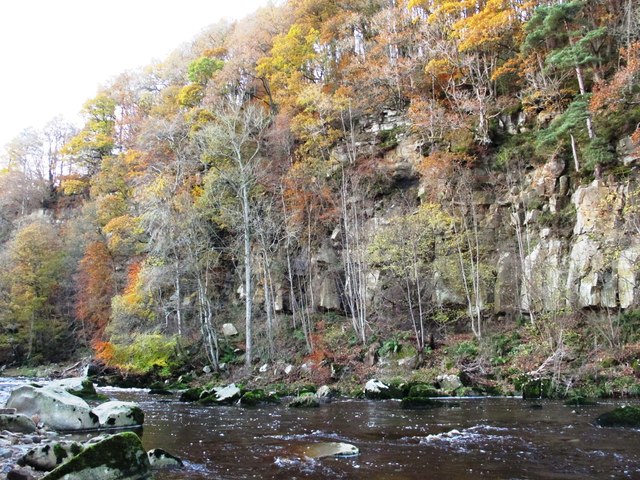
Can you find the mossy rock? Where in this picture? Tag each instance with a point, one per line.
(425, 390)
(539, 388)
(420, 403)
(625, 416)
(256, 397)
(304, 389)
(115, 457)
(377, 390)
(580, 401)
(159, 388)
(305, 401)
(191, 395)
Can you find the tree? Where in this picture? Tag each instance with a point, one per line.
(29, 285)
(96, 140)
(96, 286)
(231, 147)
(405, 250)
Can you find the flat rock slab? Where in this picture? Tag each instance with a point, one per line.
(330, 449)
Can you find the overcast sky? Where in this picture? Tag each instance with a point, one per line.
(54, 54)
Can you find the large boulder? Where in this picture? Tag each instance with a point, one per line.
(116, 414)
(56, 408)
(49, 456)
(116, 457)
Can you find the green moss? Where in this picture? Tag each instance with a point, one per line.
(423, 390)
(625, 416)
(191, 395)
(305, 401)
(122, 452)
(59, 452)
(579, 401)
(539, 388)
(88, 392)
(255, 397)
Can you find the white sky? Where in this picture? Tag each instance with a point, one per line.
(54, 54)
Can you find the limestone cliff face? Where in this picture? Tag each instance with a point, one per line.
(546, 242)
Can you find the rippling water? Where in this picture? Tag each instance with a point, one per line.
(497, 438)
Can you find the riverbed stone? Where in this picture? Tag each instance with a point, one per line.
(115, 457)
(117, 414)
(48, 456)
(56, 408)
(624, 416)
(330, 449)
(17, 423)
(227, 395)
(375, 389)
(449, 383)
(160, 459)
(20, 474)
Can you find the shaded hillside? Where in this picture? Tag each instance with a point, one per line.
(336, 178)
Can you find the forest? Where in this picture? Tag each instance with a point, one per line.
(431, 185)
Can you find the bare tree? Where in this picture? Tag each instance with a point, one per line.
(231, 145)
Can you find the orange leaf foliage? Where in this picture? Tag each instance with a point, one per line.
(95, 289)
(103, 351)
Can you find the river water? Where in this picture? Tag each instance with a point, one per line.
(495, 438)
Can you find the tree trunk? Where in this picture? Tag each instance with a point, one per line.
(247, 276)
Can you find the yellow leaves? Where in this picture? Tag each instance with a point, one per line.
(124, 235)
(441, 67)
(486, 28)
(110, 206)
(74, 185)
(190, 95)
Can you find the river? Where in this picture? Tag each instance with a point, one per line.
(496, 438)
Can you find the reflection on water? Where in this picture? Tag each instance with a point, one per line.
(498, 438)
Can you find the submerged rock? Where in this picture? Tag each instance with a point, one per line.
(158, 459)
(56, 408)
(625, 416)
(330, 449)
(191, 395)
(116, 414)
(116, 457)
